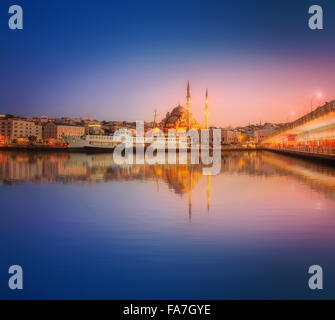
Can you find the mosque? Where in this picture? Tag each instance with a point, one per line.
(181, 118)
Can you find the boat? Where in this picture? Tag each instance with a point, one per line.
(90, 142)
(104, 142)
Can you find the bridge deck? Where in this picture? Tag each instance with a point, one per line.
(312, 135)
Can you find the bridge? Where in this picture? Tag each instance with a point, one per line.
(312, 135)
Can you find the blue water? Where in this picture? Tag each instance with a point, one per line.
(82, 227)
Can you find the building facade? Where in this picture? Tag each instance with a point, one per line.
(19, 128)
(54, 130)
(230, 136)
(260, 135)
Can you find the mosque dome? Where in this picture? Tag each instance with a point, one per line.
(179, 109)
(176, 114)
(177, 118)
(180, 117)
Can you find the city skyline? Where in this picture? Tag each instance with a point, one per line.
(125, 61)
(293, 115)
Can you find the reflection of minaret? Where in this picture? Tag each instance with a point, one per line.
(157, 183)
(208, 191)
(190, 197)
(206, 109)
(188, 104)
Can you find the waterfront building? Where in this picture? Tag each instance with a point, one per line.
(230, 136)
(260, 135)
(3, 140)
(93, 127)
(56, 130)
(14, 128)
(44, 119)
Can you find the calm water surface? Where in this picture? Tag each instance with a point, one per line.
(82, 227)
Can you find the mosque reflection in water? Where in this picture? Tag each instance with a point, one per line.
(20, 167)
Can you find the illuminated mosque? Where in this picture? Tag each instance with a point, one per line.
(181, 118)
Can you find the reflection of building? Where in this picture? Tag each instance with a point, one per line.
(181, 179)
(25, 166)
(180, 118)
(55, 130)
(208, 189)
(13, 128)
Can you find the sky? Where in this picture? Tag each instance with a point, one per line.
(121, 60)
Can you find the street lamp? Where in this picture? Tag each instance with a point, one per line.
(292, 114)
(318, 95)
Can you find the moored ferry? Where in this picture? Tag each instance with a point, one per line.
(104, 142)
(90, 141)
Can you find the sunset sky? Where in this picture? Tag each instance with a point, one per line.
(121, 60)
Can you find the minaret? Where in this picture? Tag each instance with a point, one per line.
(206, 109)
(154, 123)
(88, 124)
(190, 195)
(188, 104)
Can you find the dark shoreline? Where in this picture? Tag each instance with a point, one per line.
(320, 158)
